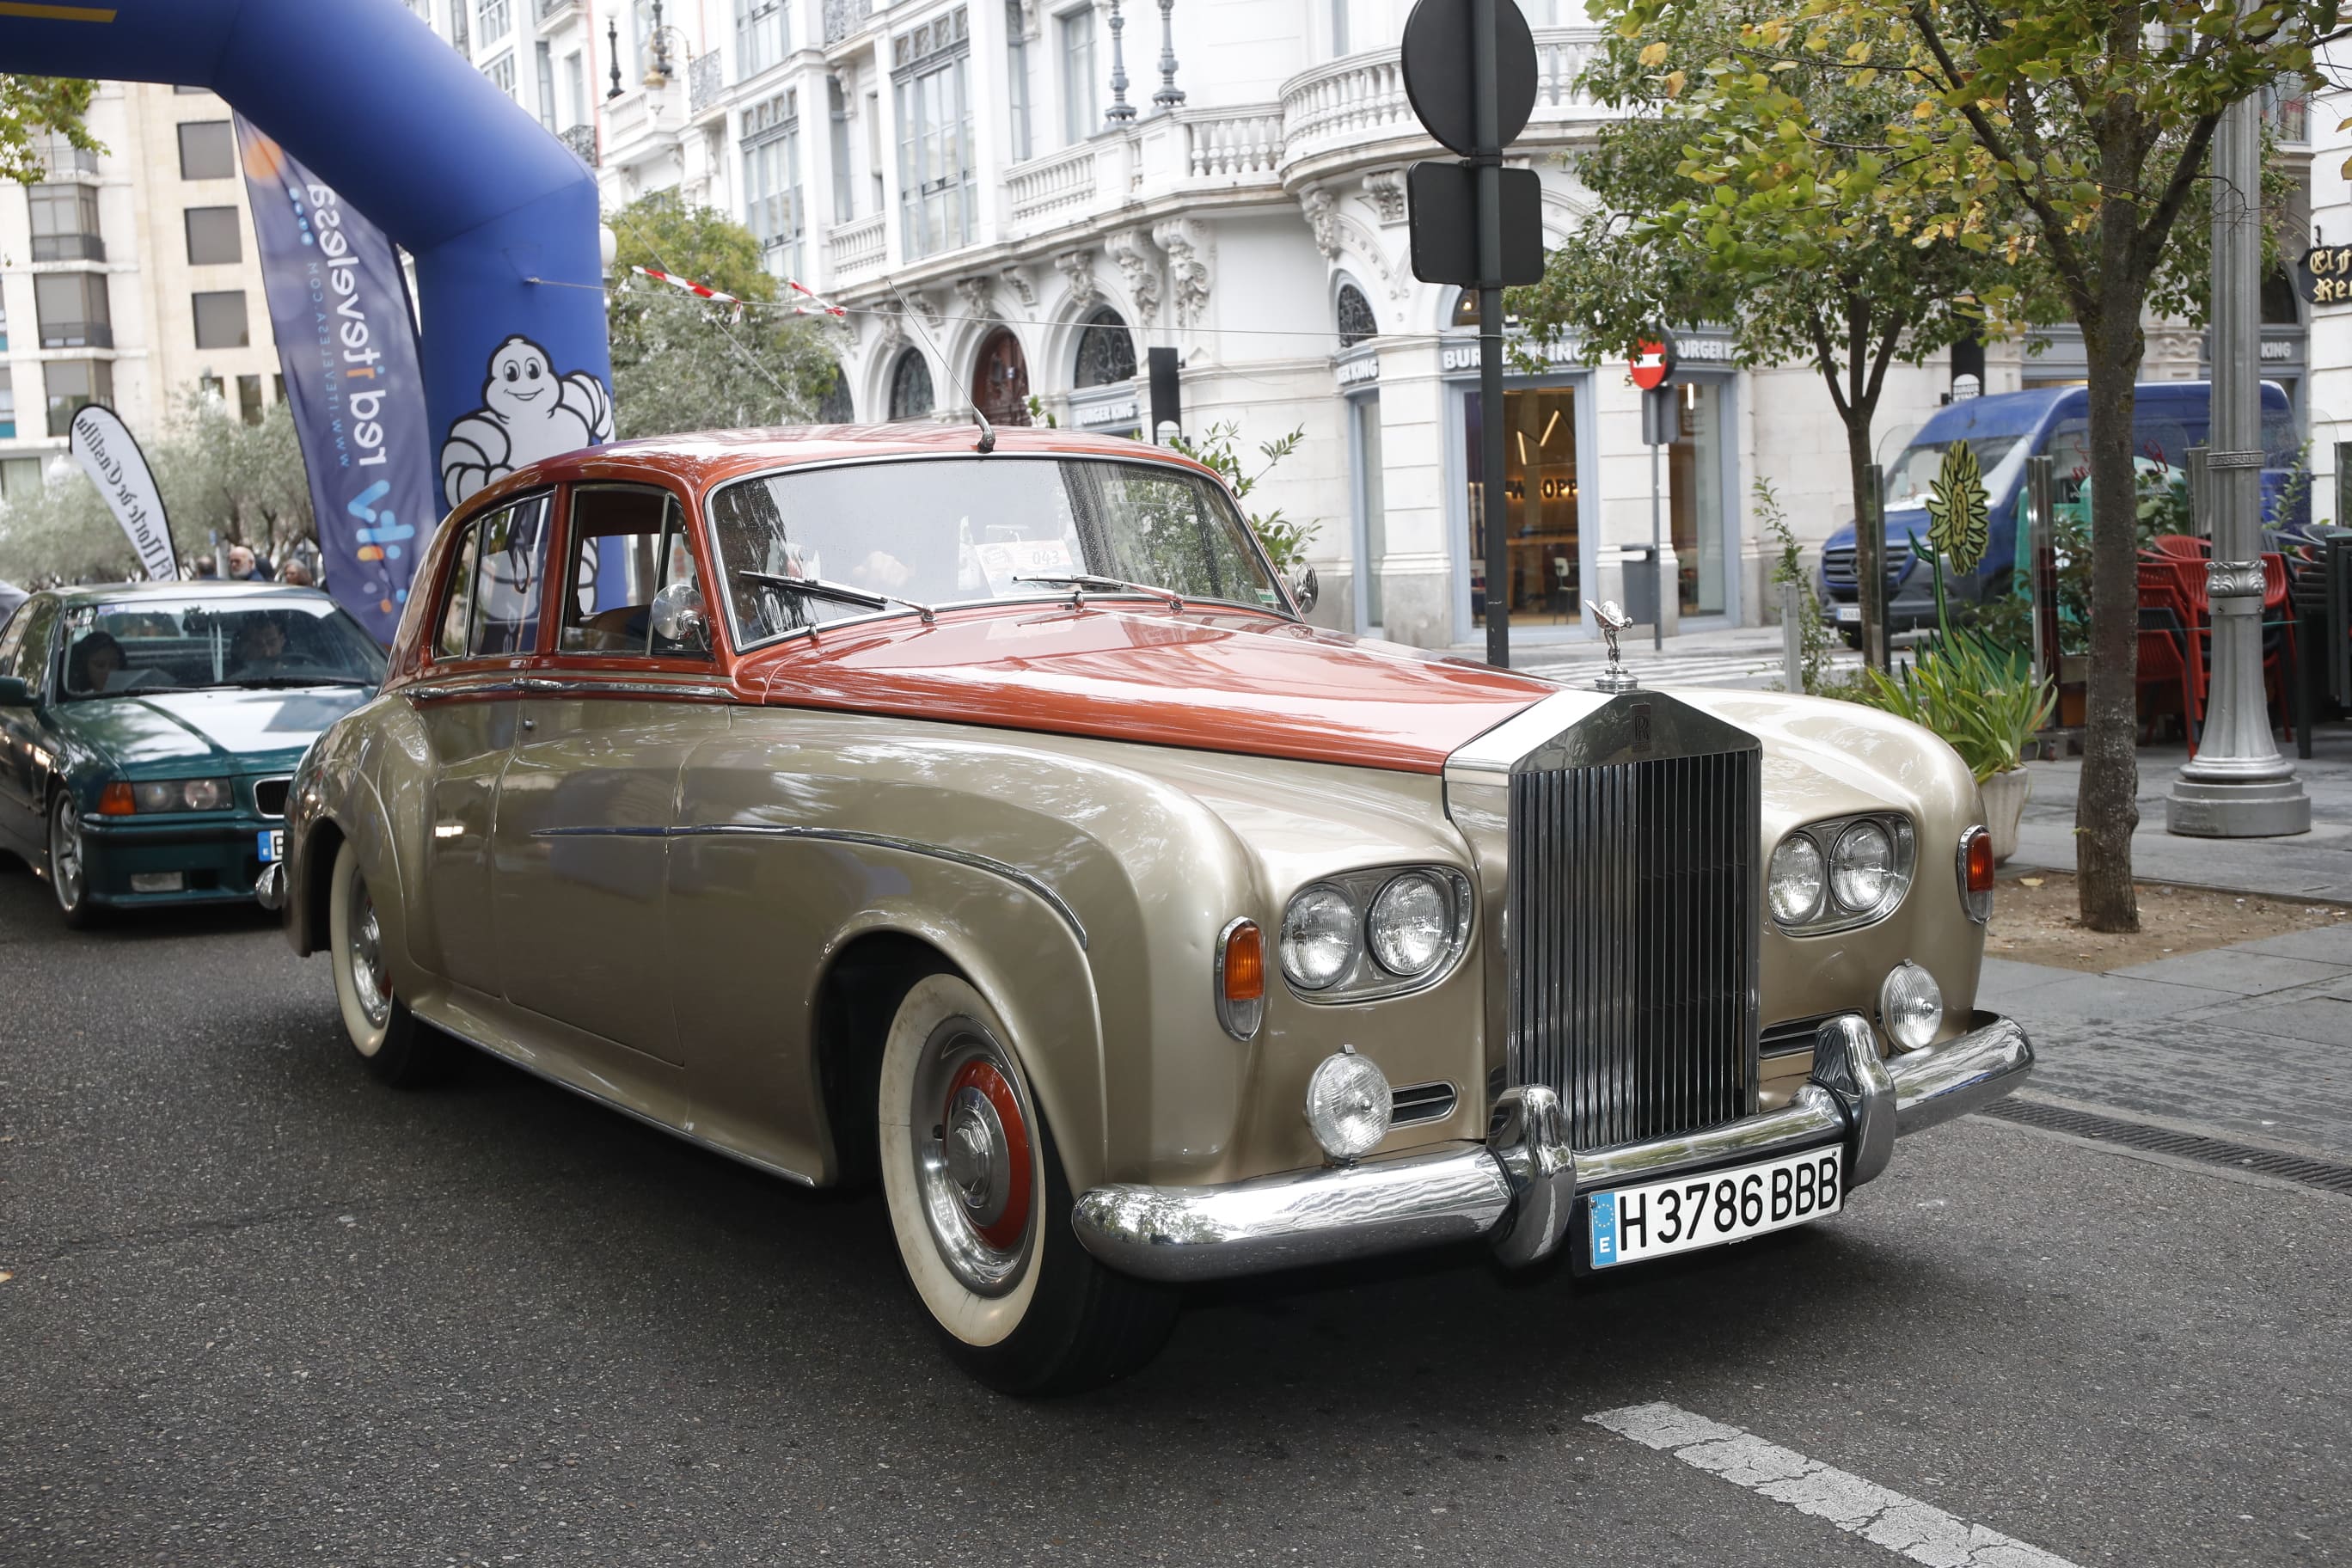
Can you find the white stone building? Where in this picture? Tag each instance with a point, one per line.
(1056, 186)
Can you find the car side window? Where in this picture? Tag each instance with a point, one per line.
(457, 604)
(12, 637)
(628, 543)
(492, 607)
(29, 657)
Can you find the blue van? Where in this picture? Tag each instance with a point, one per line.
(2170, 417)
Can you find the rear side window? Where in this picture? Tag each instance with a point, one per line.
(29, 654)
(492, 608)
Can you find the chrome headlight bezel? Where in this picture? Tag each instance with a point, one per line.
(1364, 978)
(1828, 836)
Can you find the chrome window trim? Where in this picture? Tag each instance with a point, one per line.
(1027, 881)
(1145, 458)
(1825, 833)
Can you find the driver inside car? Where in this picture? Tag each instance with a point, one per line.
(259, 650)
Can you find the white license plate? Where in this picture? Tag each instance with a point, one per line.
(1633, 1223)
(1849, 615)
(271, 843)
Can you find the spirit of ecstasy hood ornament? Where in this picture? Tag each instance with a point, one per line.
(1613, 620)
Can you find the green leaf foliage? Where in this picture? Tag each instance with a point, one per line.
(33, 108)
(1980, 698)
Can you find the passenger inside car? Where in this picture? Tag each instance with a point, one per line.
(95, 660)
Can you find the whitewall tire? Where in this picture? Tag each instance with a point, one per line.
(382, 1032)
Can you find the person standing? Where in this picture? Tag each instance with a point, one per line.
(245, 567)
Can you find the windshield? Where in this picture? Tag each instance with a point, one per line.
(1907, 482)
(143, 645)
(946, 530)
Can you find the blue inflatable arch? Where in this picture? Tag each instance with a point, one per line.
(406, 132)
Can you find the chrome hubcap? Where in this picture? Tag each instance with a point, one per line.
(369, 982)
(972, 1161)
(65, 854)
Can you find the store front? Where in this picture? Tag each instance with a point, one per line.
(1701, 513)
(1543, 503)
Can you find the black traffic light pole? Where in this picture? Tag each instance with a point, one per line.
(1486, 114)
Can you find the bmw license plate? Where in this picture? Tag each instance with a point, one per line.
(271, 842)
(1849, 615)
(1633, 1223)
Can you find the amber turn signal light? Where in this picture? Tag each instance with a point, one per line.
(1981, 863)
(115, 800)
(1241, 979)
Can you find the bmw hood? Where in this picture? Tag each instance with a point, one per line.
(229, 730)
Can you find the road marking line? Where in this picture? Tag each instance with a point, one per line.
(1920, 1530)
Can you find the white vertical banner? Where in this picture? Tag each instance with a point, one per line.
(109, 455)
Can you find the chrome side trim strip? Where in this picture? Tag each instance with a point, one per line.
(1012, 874)
(586, 686)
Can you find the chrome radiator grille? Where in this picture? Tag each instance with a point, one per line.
(1633, 936)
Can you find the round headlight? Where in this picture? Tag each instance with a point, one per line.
(1910, 1006)
(1795, 886)
(205, 795)
(157, 796)
(1861, 868)
(1318, 937)
(1348, 1104)
(1411, 926)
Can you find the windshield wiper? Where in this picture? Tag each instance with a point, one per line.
(839, 592)
(278, 682)
(1082, 580)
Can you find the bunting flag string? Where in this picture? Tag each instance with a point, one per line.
(812, 302)
(809, 303)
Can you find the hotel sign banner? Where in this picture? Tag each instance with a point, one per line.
(2326, 275)
(348, 345)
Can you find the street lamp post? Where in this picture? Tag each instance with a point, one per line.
(2238, 785)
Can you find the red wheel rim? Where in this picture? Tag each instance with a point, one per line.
(1004, 1232)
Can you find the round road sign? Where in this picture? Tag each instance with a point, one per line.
(1440, 76)
(1652, 365)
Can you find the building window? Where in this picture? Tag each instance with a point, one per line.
(65, 223)
(1081, 117)
(845, 194)
(762, 35)
(212, 236)
(546, 85)
(1016, 80)
(575, 90)
(834, 407)
(207, 150)
(771, 181)
(20, 476)
(1339, 28)
(248, 398)
(1000, 379)
(1356, 319)
(220, 319)
(935, 162)
(7, 404)
(910, 386)
(73, 313)
(210, 385)
(1105, 351)
(74, 384)
(641, 38)
(501, 72)
(277, 386)
(59, 156)
(498, 19)
(4, 329)
(461, 30)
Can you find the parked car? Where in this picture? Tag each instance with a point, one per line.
(147, 730)
(872, 803)
(2168, 418)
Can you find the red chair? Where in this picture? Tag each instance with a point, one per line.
(2165, 661)
(2184, 546)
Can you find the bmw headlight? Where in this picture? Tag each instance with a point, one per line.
(179, 794)
(1366, 934)
(1840, 873)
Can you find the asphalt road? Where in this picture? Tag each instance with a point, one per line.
(258, 1310)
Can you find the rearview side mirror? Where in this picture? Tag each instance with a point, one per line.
(1304, 589)
(679, 616)
(14, 692)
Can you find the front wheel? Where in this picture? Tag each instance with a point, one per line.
(981, 1209)
(68, 870)
(391, 1044)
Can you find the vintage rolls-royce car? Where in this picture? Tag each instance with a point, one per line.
(979, 814)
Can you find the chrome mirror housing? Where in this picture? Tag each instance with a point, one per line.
(1303, 590)
(679, 616)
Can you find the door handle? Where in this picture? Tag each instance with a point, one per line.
(530, 723)
(539, 686)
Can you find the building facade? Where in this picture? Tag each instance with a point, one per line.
(128, 278)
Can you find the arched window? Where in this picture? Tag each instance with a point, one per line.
(834, 407)
(1356, 319)
(1000, 379)
(910, 386)
(1466, 308)
(1105, 351)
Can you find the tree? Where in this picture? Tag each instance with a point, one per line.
(680, 363)
(2072, 133)
(1803, 253)
(31, 105)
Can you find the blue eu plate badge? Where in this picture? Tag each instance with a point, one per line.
(1605, 1229)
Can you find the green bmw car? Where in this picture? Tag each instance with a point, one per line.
(147, 730)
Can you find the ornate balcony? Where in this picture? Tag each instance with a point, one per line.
(548, 10)
(1354, 109)
(582, 140)
(1242, 145)
(704, 82)
(1043, 186)
(843, 18)
(855, 248)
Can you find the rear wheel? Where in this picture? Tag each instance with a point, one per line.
(68, 872)
(392, 1045)
(981, 1209)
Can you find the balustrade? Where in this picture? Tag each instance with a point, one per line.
(855, 247)
(1233, 144)
(1065, 179)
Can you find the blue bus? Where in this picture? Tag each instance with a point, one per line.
(2170, 417)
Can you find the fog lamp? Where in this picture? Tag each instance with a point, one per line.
(1910, 1006)
(1347, 1105)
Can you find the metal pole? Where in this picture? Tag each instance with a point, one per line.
(1870, 571)
(2041, 568)
(2200, 498)
(1792, 636)
(2238, 785)
(1657, 570)
(1487, 110)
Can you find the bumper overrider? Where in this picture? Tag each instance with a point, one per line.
(1520, 1189)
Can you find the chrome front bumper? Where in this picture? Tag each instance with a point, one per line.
(1519, 1188)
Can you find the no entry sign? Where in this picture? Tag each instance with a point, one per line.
(1652, 365)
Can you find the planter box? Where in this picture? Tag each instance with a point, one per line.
(2004, 796)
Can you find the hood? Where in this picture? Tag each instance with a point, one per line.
(1901, 525)
(230, 731)
(1240, 683)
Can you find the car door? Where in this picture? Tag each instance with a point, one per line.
(590, 793)
(486, 636)
(24, 775)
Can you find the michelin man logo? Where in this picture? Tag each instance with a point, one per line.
(528, 413)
